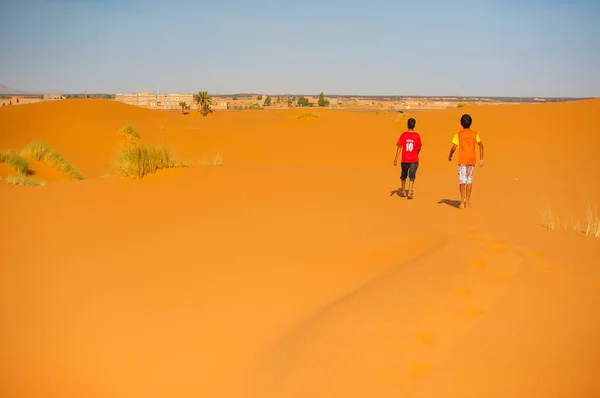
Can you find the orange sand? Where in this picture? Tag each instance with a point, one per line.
(293, 270)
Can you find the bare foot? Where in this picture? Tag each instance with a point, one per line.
(463, 204)
(402, 194)
(468, 205)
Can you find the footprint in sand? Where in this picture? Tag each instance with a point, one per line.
(476, 312)
(477, 263)
(498, 249)
(534, 254)
(427, 338)
(542, 267)
(475, 238)
(418, 369)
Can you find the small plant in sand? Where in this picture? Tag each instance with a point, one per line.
(217, 160)
(550, 218)
(129, 135)
(25, 181)
(461, 105)
(308, 114)
(39, 152)
(136, 160)
(592, 221)
(16, 162)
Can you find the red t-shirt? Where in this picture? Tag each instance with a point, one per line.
(410, 141)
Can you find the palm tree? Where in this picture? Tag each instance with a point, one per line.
(203, 100)
(182, 104)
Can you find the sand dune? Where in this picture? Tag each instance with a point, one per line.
(294, 270)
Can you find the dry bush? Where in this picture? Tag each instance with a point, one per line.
(129, 134)
(39, 152)
(592, 221)
(550, 218)
(22, 180)
(35, 151)
(308, 114)
(137, 161)
(592, 224)
(217, 160)
(16, 162)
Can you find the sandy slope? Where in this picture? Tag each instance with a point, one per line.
(294, 270)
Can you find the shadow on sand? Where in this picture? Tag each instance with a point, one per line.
(449, 202)
(397, 192)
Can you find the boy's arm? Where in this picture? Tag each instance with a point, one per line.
(452, 150)
(399, 145)
(455, 143)
(397, 153)
(480, 143)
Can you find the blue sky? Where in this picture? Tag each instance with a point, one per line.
(493, 48)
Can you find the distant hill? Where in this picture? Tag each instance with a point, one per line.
(4, 90)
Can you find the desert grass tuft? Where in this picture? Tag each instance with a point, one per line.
(16, 162)
(308, 114)
(35, 151)
(592, 221)
(40, 152)
(25, 181)
(138, 161)
(129, 134)
(217, 160)
(61, 164)
(550, 219)
(129, 131)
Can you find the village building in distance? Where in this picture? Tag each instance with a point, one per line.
(168, 101)
(29, 99)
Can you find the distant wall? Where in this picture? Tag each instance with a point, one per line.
(18, 100)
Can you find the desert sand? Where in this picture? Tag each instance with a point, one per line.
(294, 269)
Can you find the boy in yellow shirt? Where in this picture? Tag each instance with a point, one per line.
(466, 140)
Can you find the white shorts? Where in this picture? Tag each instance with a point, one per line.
(465, 173)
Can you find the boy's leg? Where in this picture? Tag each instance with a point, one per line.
(469, 187)
(412, 175)
(462, 182)
(403, 176)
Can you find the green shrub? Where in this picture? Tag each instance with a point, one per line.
(138, 161)
(307, 114)
(39, 152)
(22, 180)
(16, 162)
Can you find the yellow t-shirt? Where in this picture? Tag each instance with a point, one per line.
(455, 139)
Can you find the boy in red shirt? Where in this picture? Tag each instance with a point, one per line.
(410, 145)
(465, 140)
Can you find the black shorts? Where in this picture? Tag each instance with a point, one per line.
(409, 170)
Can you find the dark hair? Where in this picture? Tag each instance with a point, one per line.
(412, 123)
(466, 121)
